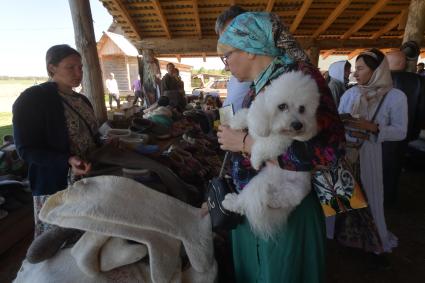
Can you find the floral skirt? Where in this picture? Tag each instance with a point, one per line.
(39, 227)
(357, 228)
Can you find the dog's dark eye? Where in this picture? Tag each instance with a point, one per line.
(283, 106)
(301, 109)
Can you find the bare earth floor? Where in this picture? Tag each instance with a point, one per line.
(344, 265)
(406, 263)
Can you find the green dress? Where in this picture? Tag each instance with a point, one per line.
(296, 254)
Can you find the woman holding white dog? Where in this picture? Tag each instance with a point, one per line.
(383, 111)
(258, 47)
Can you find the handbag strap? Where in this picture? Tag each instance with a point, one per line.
(226, 157)
(377, 108)
(81, 118)
(373, 119)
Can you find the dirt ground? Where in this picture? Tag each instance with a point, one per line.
(406, 263)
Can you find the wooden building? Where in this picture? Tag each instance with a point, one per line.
(119, 56)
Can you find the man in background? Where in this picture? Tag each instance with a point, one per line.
(112, 87)
(236, 91)
(136, 87)
(420, 70)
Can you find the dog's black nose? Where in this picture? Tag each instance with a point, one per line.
(296, 125)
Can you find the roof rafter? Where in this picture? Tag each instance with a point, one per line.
(366, 18)
(393, 23)
(403, 21)
(332, 17)
(121, 8)
(355, 52)
(300, 15)
(158, 9)
(270, 5)
(327, 53)
(197, 19)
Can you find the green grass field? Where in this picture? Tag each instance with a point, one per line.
(9, 91)
(5, 124)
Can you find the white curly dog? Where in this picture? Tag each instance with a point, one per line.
(286, 111)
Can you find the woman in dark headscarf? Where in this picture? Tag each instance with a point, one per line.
(257, 47)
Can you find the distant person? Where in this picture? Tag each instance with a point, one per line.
(180, 82)
(325, 75)
(136, 87)
(169, 82)
(420, 70)
(172, 86)
(112, 87)
(181, 101)
(394, 152)
(236, 91)
(54, 128)
(338, 79)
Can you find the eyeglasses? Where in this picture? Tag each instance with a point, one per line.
(225, 57)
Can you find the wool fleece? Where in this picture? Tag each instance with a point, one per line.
(113, 206)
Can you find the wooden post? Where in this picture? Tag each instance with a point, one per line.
(127, 66)
(150, 75)
(86, 45)
(313, 54)
(415, 28)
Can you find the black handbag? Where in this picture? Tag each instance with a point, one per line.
(218, 188)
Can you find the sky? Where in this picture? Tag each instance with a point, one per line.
(29, 27)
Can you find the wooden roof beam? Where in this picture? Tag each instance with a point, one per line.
(366, 18)
(162, 18)
(185, 45)
(121, 8)
(392, 24)
(270, 5)
(354, 53)
(327, 53)
(332, 17)
(197, 19)
(300, 15)
(403, 21)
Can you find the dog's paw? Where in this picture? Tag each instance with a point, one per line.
(231, 203)
(256, 162)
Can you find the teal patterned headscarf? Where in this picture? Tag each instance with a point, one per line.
(263, 33)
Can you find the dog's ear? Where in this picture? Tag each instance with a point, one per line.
(259, 117)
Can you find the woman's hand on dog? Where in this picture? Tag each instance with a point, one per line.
(232, 140)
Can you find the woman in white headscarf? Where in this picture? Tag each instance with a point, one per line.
(338, 79)
(383, 112)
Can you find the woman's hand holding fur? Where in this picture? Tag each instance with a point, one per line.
(232, 140)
